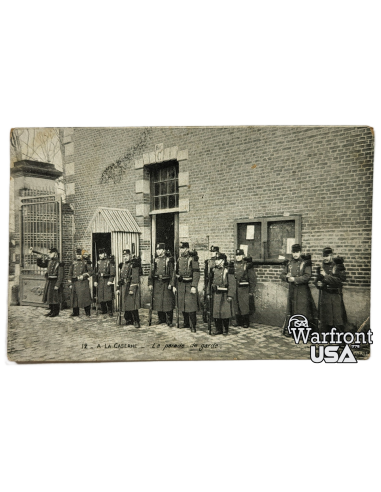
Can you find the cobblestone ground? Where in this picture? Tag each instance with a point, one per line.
(32, 337)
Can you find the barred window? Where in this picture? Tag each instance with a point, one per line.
(165, 187)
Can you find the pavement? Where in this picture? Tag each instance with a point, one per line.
(34, 338)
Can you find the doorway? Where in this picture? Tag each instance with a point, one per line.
(166, 225)
(101, 240)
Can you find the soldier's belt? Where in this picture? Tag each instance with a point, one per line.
(185, 279)
(52, 276)
(243, 284)
(134, 285)
(161, 277)
(333, 290)
(221, 289)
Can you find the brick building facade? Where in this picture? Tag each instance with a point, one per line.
(313, 181)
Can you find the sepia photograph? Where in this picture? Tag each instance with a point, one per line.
(188, 243)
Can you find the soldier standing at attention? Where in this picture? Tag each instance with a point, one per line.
(331, 276)
(297, 274)
(223, 288)
(54, 279)
(159, 281)
(128, 288)
(209, 264)
(246, 280)
(186, 282)
(79, 273)
(105, 276)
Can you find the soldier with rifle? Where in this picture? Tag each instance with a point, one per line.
(186, 278)
(208, 265)
(223, 291)
(246, 280)
(297, 273)
(128, 287)
(329, 281)
(54, 280)
(160, 286)
(105, 276)
(79, 273)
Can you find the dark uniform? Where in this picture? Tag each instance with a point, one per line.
(332, 309)
(160, 278)
(209, 264)
(187, 278)
(129, 284)
(105, 277)
(246, 280)
(79, 273)
(54, 283)
(223, 289)
(299, 300)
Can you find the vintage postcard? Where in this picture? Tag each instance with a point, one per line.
(190, 243)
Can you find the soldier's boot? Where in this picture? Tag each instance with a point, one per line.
(193, 321)
(103, 307)
(56, 310)
(218, 327)
(87, 310)
(246, 321)
(162, 317)
(186, 319)
(226, 326)
(50, 311)
(109, 308)
(128, 317)
(75, 312)
(169, 318)
(135, 316)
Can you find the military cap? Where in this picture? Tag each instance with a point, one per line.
(102, 250)
(339, 260)
(327, 251)
(221, 256)
(239, 252)
(78, 251)
(184, 245)
(53, 250)
(214, 249)
(296, 248)
(126, 252)
(160, 246)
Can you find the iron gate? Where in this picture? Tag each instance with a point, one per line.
(41, 229)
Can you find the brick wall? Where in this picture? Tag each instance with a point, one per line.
(324, 174)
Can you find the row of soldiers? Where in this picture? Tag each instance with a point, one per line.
(228, 287)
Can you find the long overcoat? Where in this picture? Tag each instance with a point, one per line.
(246, 280)
(130, 273)
(332, 309)
(161, 276)
(106, 272)
(223, 286)
(299, 300)
(80, 295)
(54, 278)
(187, 276)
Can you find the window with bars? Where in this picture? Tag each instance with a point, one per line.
(165, 187)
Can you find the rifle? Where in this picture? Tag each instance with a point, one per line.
(176, 296)
(318, 278)
(127, 289)
(151, 303)
(96, 278)
(210, 302)
(288, 316)
(205, 310)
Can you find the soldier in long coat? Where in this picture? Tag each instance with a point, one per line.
(223, 289)
(330, 281)
(246, 280)
(105, 276)
(79, 273)
(128, 288)
(54, 281)
(209, 264)
(159, 281)
(297, 273)
(186, 282)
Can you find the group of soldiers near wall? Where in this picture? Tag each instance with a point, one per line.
(229, 287)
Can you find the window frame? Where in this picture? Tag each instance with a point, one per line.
(153, 169)
(264, 235)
